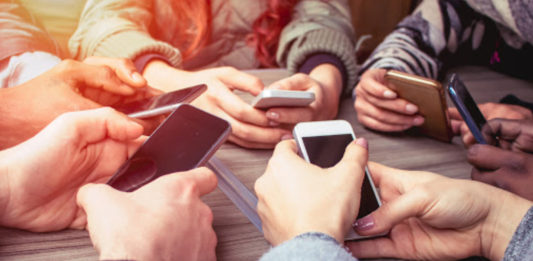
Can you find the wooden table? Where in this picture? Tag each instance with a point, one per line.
(238, 239)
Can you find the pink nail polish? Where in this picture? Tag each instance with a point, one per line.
(272, 115)
(286, 137)
(365, 223)
(362, 142)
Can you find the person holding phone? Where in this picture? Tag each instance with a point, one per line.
(436, 36)
(306, 211)
(507, 161)
(40, 191)
(179, 43)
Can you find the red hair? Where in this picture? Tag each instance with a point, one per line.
(266, 28)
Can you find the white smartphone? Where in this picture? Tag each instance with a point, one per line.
(282, 98)
(323, 143)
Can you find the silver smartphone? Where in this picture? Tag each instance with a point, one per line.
(282, 98)
(185, 140)
(323, 143)
(161, 104)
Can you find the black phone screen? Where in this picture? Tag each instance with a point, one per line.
(326, 151)
(469, 103)
(182, 142)
(166, 99)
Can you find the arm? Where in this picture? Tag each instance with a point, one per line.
(309, 246)
(119, 28)
(20, 33)
(319, 27)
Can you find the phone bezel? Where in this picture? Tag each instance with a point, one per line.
(282, 98)
(329, 128)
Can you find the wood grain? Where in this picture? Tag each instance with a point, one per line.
(239, 239)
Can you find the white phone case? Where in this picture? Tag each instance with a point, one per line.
(282, 98)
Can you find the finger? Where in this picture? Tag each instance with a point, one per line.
(456, 126)
(290, 115)
(396, 105)
(288, 150)
(386, 116)
(411, 204)
(234, 106)
(375, 87)
(355, 155)
(240, 80)
(95, 125)
(91, 196)
(97, 77)
(123, 68)
(296, 82)
(380, 126)
(203, 180)
(454, 114)
(257, 134)
(374, 248)
(488, 157)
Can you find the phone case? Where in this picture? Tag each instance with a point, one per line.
(428, 95)
(283, 98)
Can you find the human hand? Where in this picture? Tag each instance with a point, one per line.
(379, 108)
(249, 126)
(163, 220)
(433, 217)
(34, 104)
(40, 177)
(325, 81)
(490, 111)
(296, 197)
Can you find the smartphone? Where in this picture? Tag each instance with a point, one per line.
(185, 140)
(428, 95)
(467, 107)
(282, 98)
(160, 104)
(323, 143)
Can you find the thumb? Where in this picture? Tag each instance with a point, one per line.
(356, 153)
(388, 215)
(199, 181)
(91, 196)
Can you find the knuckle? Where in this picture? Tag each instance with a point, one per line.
(67, 64)
(107, 72)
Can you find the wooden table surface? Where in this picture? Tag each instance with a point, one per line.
(238, 239)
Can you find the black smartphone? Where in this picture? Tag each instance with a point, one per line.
(467, 107)
(323, 143)
(185, 140)
(161, 104)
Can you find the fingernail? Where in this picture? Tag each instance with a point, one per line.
(365, 223)
(286, 137)
(137, 77)
(362, 142)
(273, 123)
(418, 120)
(389, 94)
(272, 115)
(411, 108)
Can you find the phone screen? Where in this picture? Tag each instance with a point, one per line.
(469, 103)
(186, 140)
(326, 151)
(163, 100)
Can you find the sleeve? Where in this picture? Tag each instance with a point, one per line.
(21, 33)
(310, 247)
(319, 27)
(119, 28)
(435, 29)
(520, 247)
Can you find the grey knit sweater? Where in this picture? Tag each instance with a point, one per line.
(443, 33)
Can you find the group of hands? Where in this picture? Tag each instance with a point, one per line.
(53, 180)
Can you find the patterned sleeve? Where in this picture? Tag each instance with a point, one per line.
(418, 44)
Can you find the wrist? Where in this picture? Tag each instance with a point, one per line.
(331, 80)
(501, 223)
(161, 75)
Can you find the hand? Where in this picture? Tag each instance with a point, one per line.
(31, 106)
(490, 111)
(163, 220)
(296, 197)
(42, 175)
(432, 217)
(379, 108)
(250, 126)
(508, 166)
(325, 81)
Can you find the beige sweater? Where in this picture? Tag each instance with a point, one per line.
(121, 28)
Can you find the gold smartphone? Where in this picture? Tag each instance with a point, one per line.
(428, 95)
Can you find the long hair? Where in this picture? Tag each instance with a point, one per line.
(264, 39)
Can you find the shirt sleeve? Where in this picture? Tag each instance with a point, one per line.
(119, 28)
(319, 27)
(310, 247)
(521, 245)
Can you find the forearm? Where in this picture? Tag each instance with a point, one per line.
(309, 246)
(501, 224)
(17, 124)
